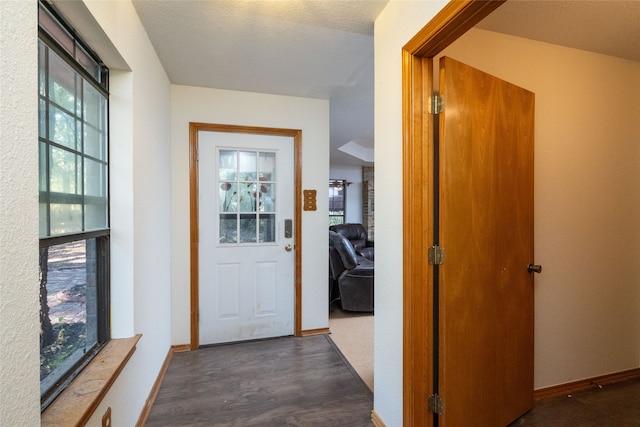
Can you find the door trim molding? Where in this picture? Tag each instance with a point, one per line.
(296, 134)
(456, 18)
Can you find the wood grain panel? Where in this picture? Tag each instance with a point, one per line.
(417, 238)
(487, 231)
(452, 21)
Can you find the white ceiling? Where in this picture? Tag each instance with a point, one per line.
(324, 48)
(315, 49)
(610, 27)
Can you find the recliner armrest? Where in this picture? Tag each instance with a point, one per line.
(367, 252)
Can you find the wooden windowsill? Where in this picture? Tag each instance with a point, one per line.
(76, 404)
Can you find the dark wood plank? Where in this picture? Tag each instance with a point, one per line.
(286, 381)
(605, 405)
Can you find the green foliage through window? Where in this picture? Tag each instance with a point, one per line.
(74, 204)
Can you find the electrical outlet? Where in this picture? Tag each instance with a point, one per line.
(106, 418)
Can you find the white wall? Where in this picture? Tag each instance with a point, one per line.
(140, 160)
(19, 307)
(195, 104)
(142, 174)
(587, 203)
(353, 203)
(587, 200)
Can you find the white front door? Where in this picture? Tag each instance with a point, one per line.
(245, 236)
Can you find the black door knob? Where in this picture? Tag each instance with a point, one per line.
(534, 268)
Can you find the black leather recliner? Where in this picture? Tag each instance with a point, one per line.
(350, 275)
(357, 235)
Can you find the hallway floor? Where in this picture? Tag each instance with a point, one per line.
(276, 382)
(612, 405)
(308, 382)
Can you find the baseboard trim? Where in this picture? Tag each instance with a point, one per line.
(377, 421)
(146, 410)
(585, 384)
(309, 332)
(180, 348)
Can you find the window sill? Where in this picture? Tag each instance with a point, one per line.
(76, 404)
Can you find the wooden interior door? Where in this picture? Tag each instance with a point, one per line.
(485, 356)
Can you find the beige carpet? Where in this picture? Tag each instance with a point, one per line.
(353, 334)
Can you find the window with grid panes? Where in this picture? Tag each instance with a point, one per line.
(74, 203)
(337, 197)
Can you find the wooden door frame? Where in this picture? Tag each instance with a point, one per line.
(296, 134)
(455, 19)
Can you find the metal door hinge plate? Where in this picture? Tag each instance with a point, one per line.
(435, 104)
(436, 404)
(436, 255)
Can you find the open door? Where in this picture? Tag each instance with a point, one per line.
(485, 294)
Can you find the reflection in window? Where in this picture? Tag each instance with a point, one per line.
(74, 203)
(337, 195)
(69, 311)
(246, 196)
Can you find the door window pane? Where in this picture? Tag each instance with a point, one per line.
(247, 228)
(247, 165)
(247, 196)
(267, 197)
(267, 166)
(246, 187)
(227, 165)
(267, 228)
(228, 197)
(228, 228)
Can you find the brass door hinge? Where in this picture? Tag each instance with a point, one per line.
(435, 104)
(436, 404)
(436, 255)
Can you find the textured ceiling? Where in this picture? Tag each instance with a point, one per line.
(324, 48)
(315, 49)
(610, 27)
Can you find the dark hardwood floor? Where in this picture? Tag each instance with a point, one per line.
(307, 382)
(612, 405)
(279, 382)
